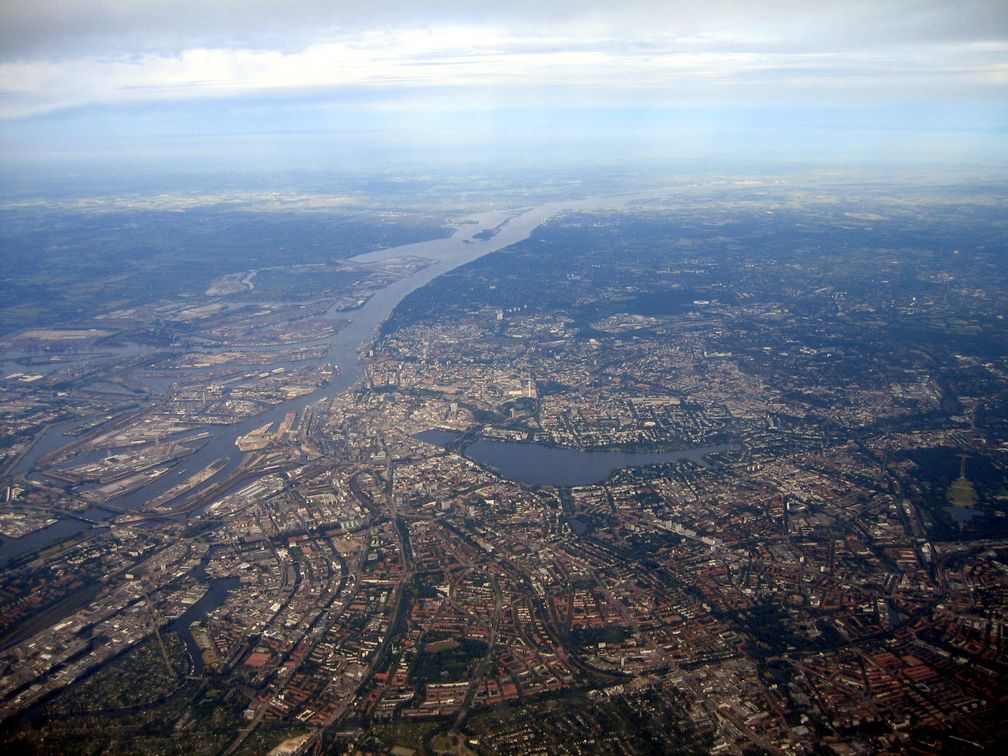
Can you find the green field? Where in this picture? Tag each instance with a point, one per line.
(962, 493)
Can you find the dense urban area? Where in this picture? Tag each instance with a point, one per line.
(722, 469)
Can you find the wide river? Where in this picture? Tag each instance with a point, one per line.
(344, 349)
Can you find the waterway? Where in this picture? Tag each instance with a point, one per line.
(214, 597)
(541, 465)
(344, 349)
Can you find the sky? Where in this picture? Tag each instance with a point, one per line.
(251, 85)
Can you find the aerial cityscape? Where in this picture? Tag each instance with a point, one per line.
(322, 438)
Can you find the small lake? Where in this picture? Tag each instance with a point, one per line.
(541, 465)
(963, 514)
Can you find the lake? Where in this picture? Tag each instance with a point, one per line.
(540, 465)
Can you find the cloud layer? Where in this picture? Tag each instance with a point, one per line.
(95, 91)
(35, 28)
(58, 54)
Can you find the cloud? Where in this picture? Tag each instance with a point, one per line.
(79, 28)
(584, 67)
(303, 78)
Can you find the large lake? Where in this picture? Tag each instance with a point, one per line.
(541, 465)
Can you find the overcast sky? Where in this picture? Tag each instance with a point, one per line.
(122, 75)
